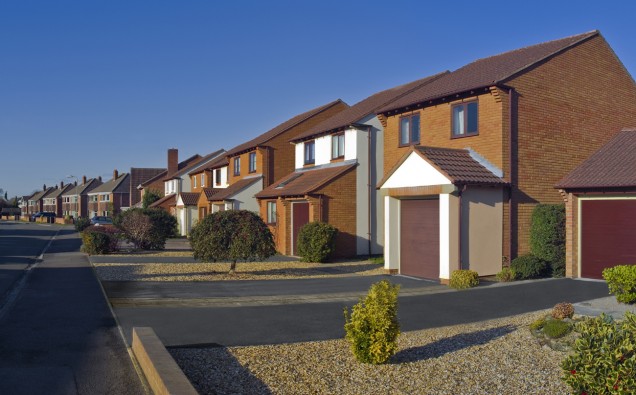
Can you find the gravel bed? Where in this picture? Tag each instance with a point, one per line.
(244, 271)
(492, 357)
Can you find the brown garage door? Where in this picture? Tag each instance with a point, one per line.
(419, 238)
(608, 235)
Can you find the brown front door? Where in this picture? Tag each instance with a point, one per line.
(608, 235)
(300, 216)
(419, 238)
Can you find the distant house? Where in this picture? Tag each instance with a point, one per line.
(111, 197)
(53, 201)
(36, 201)
(75, 199)
(23, 203)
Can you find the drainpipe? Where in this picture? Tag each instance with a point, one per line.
(459, 221)
(369, 188)
(511, 93)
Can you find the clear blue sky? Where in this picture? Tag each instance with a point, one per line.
(89, 86)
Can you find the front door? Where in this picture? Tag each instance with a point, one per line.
(300, 216)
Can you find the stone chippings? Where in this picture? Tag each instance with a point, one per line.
(219, 271)
(492, 357)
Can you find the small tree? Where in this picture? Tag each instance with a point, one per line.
(148, 229)
(138, 228)
(547, 236)
(232, 235)
(150, 196)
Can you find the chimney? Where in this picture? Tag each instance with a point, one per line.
(75, 182)
(61, 184)
(115, 174)
(83, 180)
(99, 178)
(44, 187)
(173, 161)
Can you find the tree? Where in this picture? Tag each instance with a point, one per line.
(148, 229)
(232, 235)
(150, 196)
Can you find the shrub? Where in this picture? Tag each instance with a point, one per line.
(97, 240)
(231, 236)
(556, 328)
(372, 328)
(506, 275)
(148, 229)
(316, 241)
(562, 310)
(537, 324)
(604, 357)
(621, 281)
(150, 196)
(547, 236)
(528, 266)
(164, 224)
(462, 279)
(82, 223)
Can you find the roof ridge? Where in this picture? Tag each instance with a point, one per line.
(423, 81)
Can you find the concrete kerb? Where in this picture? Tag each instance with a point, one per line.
(161, 370)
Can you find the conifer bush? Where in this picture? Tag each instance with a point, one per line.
(372, 327)
(316, 241)
(529, 266)
(547, 236)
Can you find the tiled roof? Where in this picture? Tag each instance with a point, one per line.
(190, 198)
(365, 107)
(219, 162)
(110, 186)
(140, 175)
(290, 123)
(303, 182)
(487, 71)
(205, 163)
(210, 192)
(459, 166)
(39, 195)
(78, 190)
(614, 165)
(168, 198)
(185, 166)
(60, 191)
(229, 192)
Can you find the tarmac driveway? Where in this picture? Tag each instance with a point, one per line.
(268, 312)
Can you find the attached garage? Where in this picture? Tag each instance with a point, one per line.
(419, 241)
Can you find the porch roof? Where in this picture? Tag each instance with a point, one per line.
(303, 182)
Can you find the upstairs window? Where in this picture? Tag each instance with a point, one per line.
(252, 168)
(410, 130)
(271, 212)
(194, 182)
(202, 179)
(310, 152)
(237, 166)
(464, 120)
(217, 177)
(337, 146)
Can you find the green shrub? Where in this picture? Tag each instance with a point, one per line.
(604, 357)
(556, 328)
(97, 240)
(82, 223)
(621, 281)
(529, 266)
(316, 241)
(547, 236)
(506, 275)
(232, 235)
(562, 310)
(150, 196)
(372, 328)
(537, 324)
(148, 229)
(462, 279)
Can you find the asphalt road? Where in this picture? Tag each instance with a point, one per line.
(58, 336)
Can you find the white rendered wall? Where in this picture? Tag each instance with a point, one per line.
(391, 233)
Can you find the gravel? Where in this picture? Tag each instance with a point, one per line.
(492, 357)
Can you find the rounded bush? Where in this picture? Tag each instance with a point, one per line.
(621, 281)
(462, 279)
(316, 241)
(562, 310)
(556, 328)
(82, 223)
(98, 240)
(148, 229)
(529, 266)
(506, 275)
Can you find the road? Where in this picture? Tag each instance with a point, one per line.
(57, 333)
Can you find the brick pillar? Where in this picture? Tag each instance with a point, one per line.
(571, 235)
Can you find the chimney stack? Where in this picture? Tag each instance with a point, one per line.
(115, 174)
(61, 184)
(173, 161)
(75, 182)
(44, 187)
(99, 178)
(83, 180)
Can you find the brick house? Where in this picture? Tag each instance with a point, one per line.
(111, 197)
(600, 206)
(138, 176)
(208, 180)
(257, 163)
(337, 165)
(75, 199)
(468, 156)
(53, 201)
(36, 201)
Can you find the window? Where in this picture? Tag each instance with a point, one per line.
(237, 166)
(310, 152)
(217, 177)
(337, 146)
(194, 185)
(252, 167)
(464, 121)
(271, 212)
(203, 179)
(410, 130)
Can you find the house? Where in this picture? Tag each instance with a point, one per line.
(111, 197)
(23, 203)
(337, 165)
(75, 199)
(206, 181)
(36, 201)
(138, 176)
(257, 163)
(468, 156)
(600, 206)
(53, 201)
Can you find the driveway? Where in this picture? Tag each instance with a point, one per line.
(235, 313)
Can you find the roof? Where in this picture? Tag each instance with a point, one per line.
(488, 72)
(109, 186)
(366, 107)
(238, 186)
(190, 198)
(290, 123)
(164, 200)
(185, 166)
(612, 166)
(303, 182)
(79, 189)
(39, 195)
(60, 191)
(205, 164)
(219, 162)
(209, 192)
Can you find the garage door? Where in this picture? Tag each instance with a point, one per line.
(419, 238)
(608, 235)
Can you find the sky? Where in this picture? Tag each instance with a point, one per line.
(94, 85)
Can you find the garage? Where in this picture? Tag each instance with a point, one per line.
(608, 234)
(419, 238)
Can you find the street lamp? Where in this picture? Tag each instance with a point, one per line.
(77, 196)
